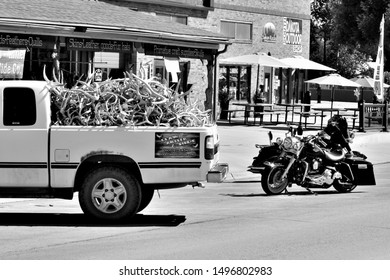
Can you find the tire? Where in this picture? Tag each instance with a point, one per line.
(147, 195)
(271, 181)
(110, 193)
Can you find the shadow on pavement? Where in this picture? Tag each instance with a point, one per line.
(291, 193)
(81, 220)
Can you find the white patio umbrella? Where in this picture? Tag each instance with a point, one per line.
(299, 62)
(333, 80)
(366, 82)
(258, 59)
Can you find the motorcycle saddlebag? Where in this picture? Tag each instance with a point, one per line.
(362, 170)
(266, 152)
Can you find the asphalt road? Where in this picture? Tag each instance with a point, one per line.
(233, 220)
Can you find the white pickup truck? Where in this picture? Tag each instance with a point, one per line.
(115, 169)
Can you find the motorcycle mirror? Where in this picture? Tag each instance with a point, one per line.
(299, 130)
(293, 131)
(270, 136)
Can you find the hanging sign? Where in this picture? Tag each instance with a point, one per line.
(175, 51)
(269, 33)
(12, 64)
(26, 41)
(292, 33)
(96, 45)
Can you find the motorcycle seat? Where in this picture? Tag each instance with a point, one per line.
(334, 156)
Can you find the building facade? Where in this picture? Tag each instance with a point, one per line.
(280, 28)
(181, 41)
(78, 38)
(272, 27)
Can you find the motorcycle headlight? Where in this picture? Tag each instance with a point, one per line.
(291, 144)
(296, 145)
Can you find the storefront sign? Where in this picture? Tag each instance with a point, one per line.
(174, 51)
(26, 41)
(292, 33)
(269, 33)
(12, 64)
(177, 145)
(98, 45)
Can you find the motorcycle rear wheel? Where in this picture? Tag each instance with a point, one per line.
(271, 181)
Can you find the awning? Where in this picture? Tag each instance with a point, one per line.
(299, 62)
(261, 59)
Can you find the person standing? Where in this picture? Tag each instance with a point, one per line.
(319, 92)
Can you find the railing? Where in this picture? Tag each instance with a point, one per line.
(378, 113)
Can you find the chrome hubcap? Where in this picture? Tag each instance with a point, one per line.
(109, 195)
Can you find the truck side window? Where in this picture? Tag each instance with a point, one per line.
(19, 107)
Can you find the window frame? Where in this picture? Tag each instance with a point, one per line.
(236, 23)
(19, 110)
(173, 17)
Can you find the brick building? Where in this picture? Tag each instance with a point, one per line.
(181, 40)
(280, 28)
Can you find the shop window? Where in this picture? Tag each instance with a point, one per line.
(19, 107)
(174, 18)
(236, 81)
(106, 65)
(236, 30)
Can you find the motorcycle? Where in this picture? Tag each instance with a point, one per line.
(314, 161)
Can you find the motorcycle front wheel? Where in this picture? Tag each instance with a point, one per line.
(344, 186)
(272, 182)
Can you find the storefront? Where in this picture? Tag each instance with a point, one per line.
(71, 46)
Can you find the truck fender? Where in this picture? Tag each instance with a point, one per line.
(99, 159)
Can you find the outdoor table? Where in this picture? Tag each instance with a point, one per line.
(306, 115)
(248, 108)
(353, 115)
(331, 110)
(292, 106)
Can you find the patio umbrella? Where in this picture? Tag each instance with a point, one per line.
(366, 82)
(299, 62)
(255, 59)
(258, 59)
(333, 80)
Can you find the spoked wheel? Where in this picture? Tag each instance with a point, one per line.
(344, 185)
(110, 193)
(272, 182)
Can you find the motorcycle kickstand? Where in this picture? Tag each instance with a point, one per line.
(286, 191)
(310, 191)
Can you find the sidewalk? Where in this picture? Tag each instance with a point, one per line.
(238, 118)
(238, 143)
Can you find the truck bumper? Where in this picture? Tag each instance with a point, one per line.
(218, 173)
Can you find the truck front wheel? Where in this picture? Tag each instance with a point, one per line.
(110, 193)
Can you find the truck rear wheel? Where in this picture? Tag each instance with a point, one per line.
(147, 195)
(110, 193)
